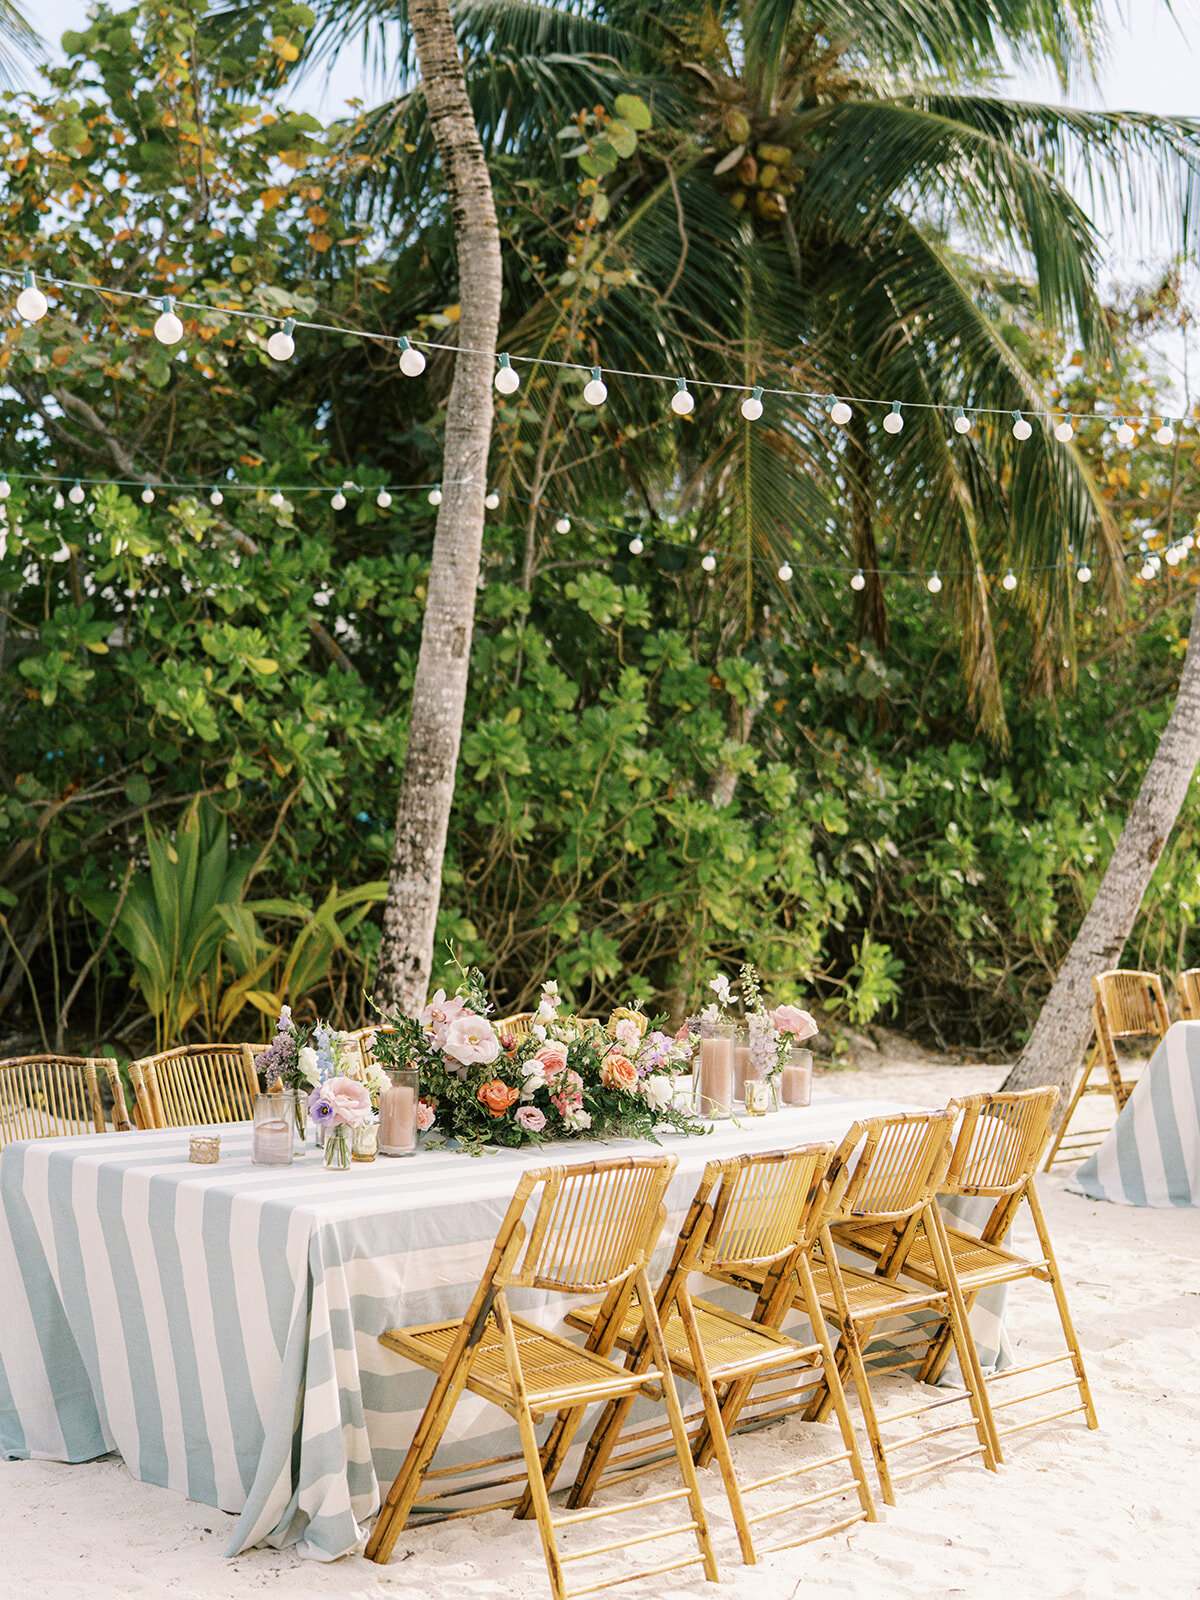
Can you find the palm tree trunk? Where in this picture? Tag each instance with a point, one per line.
(440, 689)
(1062, 1031)
(872, 603)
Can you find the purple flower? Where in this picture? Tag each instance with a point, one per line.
(531, 1119)
(321, 1109)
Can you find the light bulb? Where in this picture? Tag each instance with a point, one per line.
(708, 561)
(893, 422)
(75, 493)
(147, 496)
(1174, 556)
(962, 423)
(167, 328)
(682, 402)
(1064, 432)
(595, 391)
(491, 500)
(1021, 427)
(636, 546)
(1165, 434)
(281, 346)
(216, 498)
(383, 499)
(31, 302)
(1147, 572)
(338, 501)
(1084, 574)
(412, 362)
(1125, 434)
(435, 497)
(563, 525)
(840, 413)
(1010, 579)
(507, 379)
(59, 502)
(276, 500)
(934, 585)
(858, 582)
(752, 406)
(785, 573)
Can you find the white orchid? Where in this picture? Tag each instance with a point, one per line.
(720, 987)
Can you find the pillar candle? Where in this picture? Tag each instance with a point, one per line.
(272, 1143)
(716, 1077)
(397, 1120)
(742, 1070)
(796, 1079)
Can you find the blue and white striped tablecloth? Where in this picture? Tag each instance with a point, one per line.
(1151, 1155)
(218, 1326)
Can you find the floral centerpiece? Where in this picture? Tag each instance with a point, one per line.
(564, 1078)
(330, 1076)
(772, 1032)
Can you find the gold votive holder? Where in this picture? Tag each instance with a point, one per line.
(204, 1148)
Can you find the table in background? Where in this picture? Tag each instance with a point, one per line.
(218, 1326)
(1151, 1155)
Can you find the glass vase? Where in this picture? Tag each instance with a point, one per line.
(713, 1071)
(364, 1142)
(795, 1081)
(301, 1098)
(337, 1149)
(274, 1132)
(398, 1112)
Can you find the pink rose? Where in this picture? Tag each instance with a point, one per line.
(351, 1101)
(790, 1019)
(469, 1039)
(553, 1057)
(426, 1117)
(531, 1119)
(627, 1032)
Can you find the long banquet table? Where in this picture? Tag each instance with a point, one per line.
(218, 1325)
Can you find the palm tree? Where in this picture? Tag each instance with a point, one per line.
(834, 199)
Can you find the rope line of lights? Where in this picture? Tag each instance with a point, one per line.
(32, 305)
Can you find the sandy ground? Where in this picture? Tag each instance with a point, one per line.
(1073, 1514)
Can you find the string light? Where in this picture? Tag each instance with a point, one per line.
(31, 302)
(491, 500)
(563, 525)
(147, 496)
(281, 346)
(636, 546)
(1147, 572)
(962, 422)
(1165, 434)
(412, 360)
(1009, 580)
(167, 327)
(785, 573)
(507, 379)
(840, 413)
(1125, 434)
(752, 408)
(75, 494)
(893, 422)
(1021, 428)
(216, 498)
(383, 499)
(595, 390)
(858, 582)
(682, 402)
(275, 500)
(708, 561)
(435, 497)
(339, 501)
(1174, 555)
(1084, 574)
(935, 584)
(1064, 432)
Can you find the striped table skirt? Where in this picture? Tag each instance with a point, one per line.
(1151, 1155)
(218, 1326)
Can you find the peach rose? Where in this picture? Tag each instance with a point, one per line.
(618, 1072)
(497, 1096)
(553, 1056)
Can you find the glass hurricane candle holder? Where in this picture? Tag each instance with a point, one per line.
(795, 1081)
(204, 1148)
(759, 1096)
(398, 1112)
(272, 1142)
(713, 1071)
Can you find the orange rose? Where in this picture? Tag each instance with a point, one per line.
(618, 1072)
(497, 1096)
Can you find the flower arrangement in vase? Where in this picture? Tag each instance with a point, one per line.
(565, 1078)
(772, 1034)
(326, 1072)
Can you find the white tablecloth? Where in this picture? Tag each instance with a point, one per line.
(218, 1325)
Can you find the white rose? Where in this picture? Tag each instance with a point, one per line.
(659, 1090)
(539, 1032)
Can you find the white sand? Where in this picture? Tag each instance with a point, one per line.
(1073, 1515)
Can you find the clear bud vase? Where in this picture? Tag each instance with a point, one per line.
(795, 1081)
(714, 1070)
(337, 1148)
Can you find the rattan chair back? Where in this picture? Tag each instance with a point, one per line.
(195, 1085)
(1000, 1141)
(1131, 1003)
(895, 1164)
(763, 1207)
(592, 1226)
(516, 1026)
(42, 1097)
(1188, 986)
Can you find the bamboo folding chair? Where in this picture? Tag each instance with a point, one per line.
(1188, 986)
(593, 1230)
(1126, 1005)
(195, 1085)
(42, 1097)
(516, 1026)
(760, 1213)
(895, 1165)
(996, 1154)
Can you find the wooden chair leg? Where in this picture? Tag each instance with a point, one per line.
(717, 1436)
(833, 1383)
(1060, 1299)
(1075, 1099)
(964, 1345)
(532, 1453)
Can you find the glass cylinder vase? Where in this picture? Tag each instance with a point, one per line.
(337, 1148)
(795, 1081)
(713, 1070)
(274, 1133)
(398, 1112)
